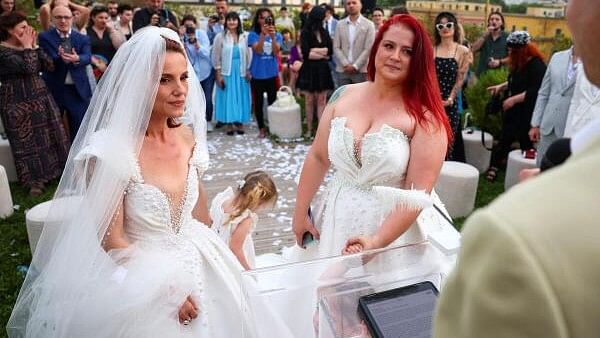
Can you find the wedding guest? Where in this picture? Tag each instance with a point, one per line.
(451, 65)
(314, 78)
(79, 23)
(378, 17)
(526, 72)
(554, 97)
(285, 21)
(197, 47)
(104, 40)
(527, 265)
(68, 81)
(125, 25)
(306, 7)
(351, 45)
(492, 45)
(154, 14)
(31, 119)
(234, 214)
(265, 43)
(295, 64)
(113, 13)
(7, 6)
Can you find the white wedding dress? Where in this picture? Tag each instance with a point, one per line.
(365, 188)
(172, 255)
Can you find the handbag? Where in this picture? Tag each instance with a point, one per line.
(285, 98)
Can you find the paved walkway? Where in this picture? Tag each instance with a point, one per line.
(234, 156)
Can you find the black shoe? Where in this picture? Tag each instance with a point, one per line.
(230, 133)
(240, 132)
(219, 125)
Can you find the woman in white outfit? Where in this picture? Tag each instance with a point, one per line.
(125, 251)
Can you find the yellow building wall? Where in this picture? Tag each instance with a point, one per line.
(543, 30)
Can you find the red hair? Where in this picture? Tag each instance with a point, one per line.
(520, 56)
(420, 91)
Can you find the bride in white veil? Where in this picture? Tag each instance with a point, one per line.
(119, 255)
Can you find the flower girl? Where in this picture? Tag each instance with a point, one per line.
(234, 213)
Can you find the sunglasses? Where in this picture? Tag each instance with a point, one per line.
(447, 25)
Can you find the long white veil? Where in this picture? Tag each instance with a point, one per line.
(69, 262)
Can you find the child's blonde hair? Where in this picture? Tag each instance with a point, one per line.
(257, 189)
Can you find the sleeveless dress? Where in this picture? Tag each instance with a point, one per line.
(446, 70)
(226, 229)
(233, 102)
(171, 256)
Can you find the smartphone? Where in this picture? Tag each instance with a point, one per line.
(190, 30)
(67, 46)
(269, 21)
(308, 237)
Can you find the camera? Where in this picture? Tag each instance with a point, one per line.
(162, 21)
(190, 30)
(269, 21)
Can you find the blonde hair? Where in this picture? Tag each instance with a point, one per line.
(257, 189)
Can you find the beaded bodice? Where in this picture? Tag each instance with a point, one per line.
(149, 211)
(379, 158)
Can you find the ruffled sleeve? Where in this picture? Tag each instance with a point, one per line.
(200, 159)
(394, 198)
(111, 152)
(247, 213)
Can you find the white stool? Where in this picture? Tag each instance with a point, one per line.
(516, 163)
(475, 153)
(34, 219)
(285, 122)
(457, 187)
(7, 160)
(6, 203)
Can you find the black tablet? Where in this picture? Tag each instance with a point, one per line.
(405, 312)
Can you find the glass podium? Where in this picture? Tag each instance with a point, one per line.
(319, 298)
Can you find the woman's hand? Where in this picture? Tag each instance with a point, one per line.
(509, 103)
(220, 81)
(28, 38)
(188, 311)
(248, 76)
(359, 244)
(495, 90)
(302, 224)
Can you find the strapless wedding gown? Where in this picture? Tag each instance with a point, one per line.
(172, 255)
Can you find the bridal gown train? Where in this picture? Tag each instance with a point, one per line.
(172, 255)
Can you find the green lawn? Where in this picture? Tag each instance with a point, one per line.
(14, 246)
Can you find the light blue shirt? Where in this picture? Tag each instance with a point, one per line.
(199, 57)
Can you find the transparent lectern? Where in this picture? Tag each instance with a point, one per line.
(319, 298)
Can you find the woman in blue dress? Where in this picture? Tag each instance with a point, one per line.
(231, 58)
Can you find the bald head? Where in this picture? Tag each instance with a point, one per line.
(62, 18)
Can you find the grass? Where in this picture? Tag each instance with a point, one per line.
(14, 249)
(15, 253)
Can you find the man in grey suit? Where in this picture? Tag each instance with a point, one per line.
(528, 264)
(554, 97)
(352, 43)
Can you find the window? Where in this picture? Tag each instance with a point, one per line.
(524, 28)
(466, 7)
(477, 8)
(514, 28)
(558, 31)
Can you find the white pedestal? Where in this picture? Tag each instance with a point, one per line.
(6, 203)
(516, 163)
(285, 122)
(475, 153)
(7, 160)
(34, 219)
(457, 187)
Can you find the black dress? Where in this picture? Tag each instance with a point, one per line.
(30, 116)
(314, 75)
(103, 47)
(517, 120)
(447, 71)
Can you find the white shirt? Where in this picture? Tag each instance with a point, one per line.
(352, 35)
(68, 78)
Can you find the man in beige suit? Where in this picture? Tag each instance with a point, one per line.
(529, 265)
(352, 43)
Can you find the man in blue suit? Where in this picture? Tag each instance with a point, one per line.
(71, 52)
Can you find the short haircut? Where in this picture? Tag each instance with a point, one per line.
(124, 7)
(283, 9)
(188, 17)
